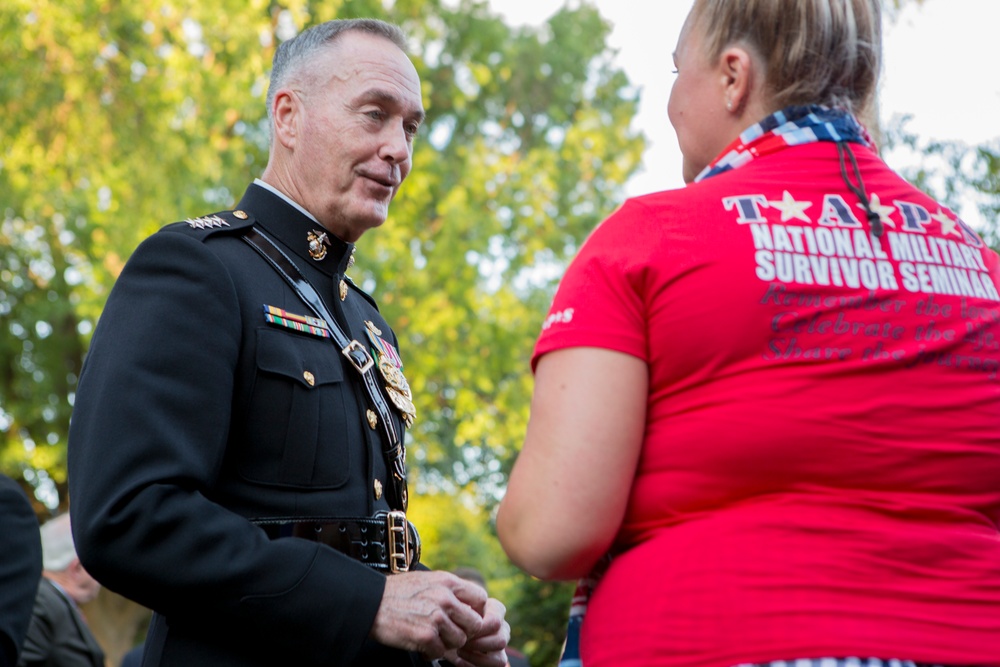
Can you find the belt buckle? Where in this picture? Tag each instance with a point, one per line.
(355, 346)
(399, 557)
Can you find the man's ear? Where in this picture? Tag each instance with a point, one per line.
(286, 112)
(75, 567)
(737, 72)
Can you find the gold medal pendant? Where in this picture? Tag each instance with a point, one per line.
(394, 376)
(404, 404)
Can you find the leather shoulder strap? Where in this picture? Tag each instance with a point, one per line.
(355, 353)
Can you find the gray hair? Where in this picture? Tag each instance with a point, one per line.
(294, 55)
(815, 51)
(58, 550)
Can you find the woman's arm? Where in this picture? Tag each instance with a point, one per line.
(570, 485)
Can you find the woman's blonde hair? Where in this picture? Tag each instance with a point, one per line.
(815, 51)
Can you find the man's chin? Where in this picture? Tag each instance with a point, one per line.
(358, 222)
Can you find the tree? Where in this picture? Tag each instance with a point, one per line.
(120, 117)
(953, 173)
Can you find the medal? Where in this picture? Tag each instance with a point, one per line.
(391, 368)
(404, 404)
(394, 376)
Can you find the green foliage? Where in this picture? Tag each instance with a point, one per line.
(953, 173)
(120, 117)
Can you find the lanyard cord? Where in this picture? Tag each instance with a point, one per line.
(859, 190)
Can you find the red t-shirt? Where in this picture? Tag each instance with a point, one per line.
(820, 475)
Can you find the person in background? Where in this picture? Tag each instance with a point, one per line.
(772, 396)
(58, 635)
(20, 568)
(236, 454)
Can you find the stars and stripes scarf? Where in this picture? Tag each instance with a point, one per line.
(792, 126)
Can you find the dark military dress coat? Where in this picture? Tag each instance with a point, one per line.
(196, 417)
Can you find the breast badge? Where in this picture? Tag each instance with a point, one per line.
(391, 367)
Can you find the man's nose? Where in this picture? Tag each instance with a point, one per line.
(395, 145)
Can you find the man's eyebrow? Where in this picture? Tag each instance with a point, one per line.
(389, 99)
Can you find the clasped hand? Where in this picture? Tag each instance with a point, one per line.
(442, 616)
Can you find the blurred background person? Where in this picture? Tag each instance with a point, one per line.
(772, 395)
(58, 635)
(20, 567)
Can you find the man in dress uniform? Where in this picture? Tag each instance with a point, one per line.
(236, 450)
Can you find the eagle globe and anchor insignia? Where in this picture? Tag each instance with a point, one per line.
(317, 245)
(391, 368)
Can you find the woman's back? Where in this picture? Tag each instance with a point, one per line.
(818, 473)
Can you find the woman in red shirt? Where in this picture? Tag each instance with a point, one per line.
(772, 396)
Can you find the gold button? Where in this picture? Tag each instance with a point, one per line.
(372, 418)
(378, 489)
(310, 378)
(240, 214)
(343, 290)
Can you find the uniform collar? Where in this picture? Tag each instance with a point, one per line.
(297, 230)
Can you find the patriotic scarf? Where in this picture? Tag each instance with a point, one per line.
(792, 126)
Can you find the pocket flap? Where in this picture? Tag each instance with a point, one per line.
(309, 361)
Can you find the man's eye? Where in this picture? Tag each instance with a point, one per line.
(412, 128)
(375, 114)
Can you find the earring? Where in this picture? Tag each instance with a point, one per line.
(729, 105)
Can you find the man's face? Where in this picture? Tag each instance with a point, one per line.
(358, 113)
(81, 587)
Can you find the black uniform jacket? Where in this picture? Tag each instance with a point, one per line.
(58, 635)
(20, 567)
(194, 417)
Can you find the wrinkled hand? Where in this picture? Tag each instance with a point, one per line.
(434, 613)
(487, 648)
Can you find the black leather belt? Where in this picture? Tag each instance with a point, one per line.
(386, 542)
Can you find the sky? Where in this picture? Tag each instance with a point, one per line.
(938, 68)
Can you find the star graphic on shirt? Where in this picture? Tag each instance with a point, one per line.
(881, 211)
(948, 226)
(791, 209)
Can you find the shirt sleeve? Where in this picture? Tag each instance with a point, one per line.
(600, 301)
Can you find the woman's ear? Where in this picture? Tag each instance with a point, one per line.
(737, 73)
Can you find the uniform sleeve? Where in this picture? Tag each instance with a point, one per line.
(149, 432)
(600, 301)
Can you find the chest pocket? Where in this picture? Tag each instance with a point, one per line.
(299, 431)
